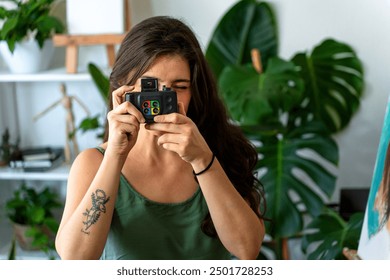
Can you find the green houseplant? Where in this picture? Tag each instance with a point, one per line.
(27, 25)
(102, 83)
(31, 213)
(291, 109)
(29, 19)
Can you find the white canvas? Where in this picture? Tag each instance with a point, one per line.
(86, 17)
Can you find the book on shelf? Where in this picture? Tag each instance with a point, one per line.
(40, 153)
(38, 159)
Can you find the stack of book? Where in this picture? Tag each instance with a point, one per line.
(38, 158)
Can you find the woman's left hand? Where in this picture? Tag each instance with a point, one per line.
(181, 135)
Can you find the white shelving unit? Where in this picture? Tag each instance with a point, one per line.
(12, 177)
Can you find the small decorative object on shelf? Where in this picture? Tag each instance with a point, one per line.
(31, 213)
(6, 148)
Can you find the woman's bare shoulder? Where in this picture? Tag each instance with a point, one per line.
(87, 161)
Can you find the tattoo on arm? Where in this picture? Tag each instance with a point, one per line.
(99, 200)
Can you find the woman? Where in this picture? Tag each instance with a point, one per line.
(179, 188)
(382, 197)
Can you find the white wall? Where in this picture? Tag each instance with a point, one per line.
(363, 24)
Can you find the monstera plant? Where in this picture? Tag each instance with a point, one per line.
(290, 109)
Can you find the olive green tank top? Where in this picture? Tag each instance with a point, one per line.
(147, 230)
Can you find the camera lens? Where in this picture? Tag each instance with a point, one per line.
(146, 111)
(155, 104)
(145, 104)
(156, 111)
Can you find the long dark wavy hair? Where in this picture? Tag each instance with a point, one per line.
(159, 36)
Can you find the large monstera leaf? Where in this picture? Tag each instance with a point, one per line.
(252, 97)
(329, 234)
(294, 169)
(247, 25)
(334, 82)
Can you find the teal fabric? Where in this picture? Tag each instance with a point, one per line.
(144, 229)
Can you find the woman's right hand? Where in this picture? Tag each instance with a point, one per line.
(124, 123)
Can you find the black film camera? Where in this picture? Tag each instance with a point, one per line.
(152, 102)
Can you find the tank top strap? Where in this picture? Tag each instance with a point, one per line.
(100, 149)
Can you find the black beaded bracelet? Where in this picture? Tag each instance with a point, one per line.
(207, 167)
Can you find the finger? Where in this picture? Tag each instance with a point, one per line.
(171, 138)
(123, 130)
(175, 118)
(127, 119)
(128, 108)
(118, 95)
(164, 127)
(173, 147)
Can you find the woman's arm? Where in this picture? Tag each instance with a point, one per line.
(93, 185)
(91, 194)
(238, 227)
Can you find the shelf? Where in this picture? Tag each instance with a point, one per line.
(52, 75)
(57, 174)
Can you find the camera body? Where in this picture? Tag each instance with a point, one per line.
(152, 102)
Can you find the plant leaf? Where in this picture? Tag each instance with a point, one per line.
(12, 251)
(334, 78)
(247, 25)
(294, 171)
(101, 80)
(327, 235)
(251, 97)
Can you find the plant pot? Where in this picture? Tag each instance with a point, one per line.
(27, 56)
(24, 241)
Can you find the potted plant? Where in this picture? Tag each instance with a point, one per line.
(25, 36)
(291, 109)
(30, 211)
